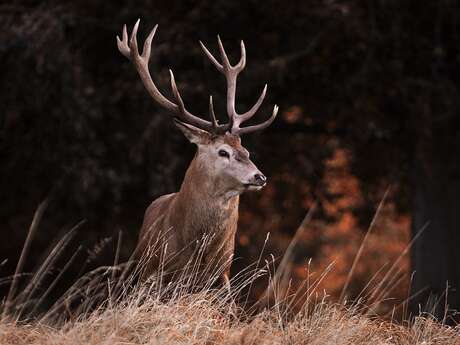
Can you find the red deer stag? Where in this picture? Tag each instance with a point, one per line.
(207, 203)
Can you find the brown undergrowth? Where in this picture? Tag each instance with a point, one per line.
(108, 306)
(203, 319)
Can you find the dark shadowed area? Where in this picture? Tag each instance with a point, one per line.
(369, 106)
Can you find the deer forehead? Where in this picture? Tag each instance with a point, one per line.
(233, 142)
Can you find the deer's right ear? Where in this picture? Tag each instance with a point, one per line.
(192, 133)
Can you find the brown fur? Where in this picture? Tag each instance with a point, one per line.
(181, 219)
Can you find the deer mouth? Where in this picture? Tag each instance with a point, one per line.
(254, 186)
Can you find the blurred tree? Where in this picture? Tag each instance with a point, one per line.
(436, 171)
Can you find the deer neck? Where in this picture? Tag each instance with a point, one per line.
(200, 187)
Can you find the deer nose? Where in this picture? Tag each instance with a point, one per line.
(260, 179)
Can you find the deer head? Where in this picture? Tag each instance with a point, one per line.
(220, 155)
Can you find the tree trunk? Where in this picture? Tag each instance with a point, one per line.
(436, 251)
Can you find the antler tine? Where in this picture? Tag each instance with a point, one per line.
(148, 44)
(129, 48)
(182, 115)
(133, 40)
(223, 54)
(242, 63)
(212, 114)
(123, 43)
(251, 112)
(261, 126)
(177, 95)
(211, 57)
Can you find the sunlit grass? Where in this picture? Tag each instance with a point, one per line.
(111, 306)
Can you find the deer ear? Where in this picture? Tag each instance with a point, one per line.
(192, 133)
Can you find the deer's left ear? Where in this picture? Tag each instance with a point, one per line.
(192, 133)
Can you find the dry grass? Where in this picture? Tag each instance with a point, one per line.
(206, 318)
(114, 311)
(107, 306)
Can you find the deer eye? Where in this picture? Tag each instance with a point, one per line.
(224, 153)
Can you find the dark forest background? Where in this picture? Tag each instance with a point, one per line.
(369, 99)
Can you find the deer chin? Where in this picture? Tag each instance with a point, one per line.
(253, 186)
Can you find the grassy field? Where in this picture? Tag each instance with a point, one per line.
(144, 316)
(109, 306)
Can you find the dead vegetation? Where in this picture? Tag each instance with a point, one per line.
(209, 318)
(110, 306)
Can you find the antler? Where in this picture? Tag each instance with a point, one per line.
(141, 61)
(231, 74)
(130, 50)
